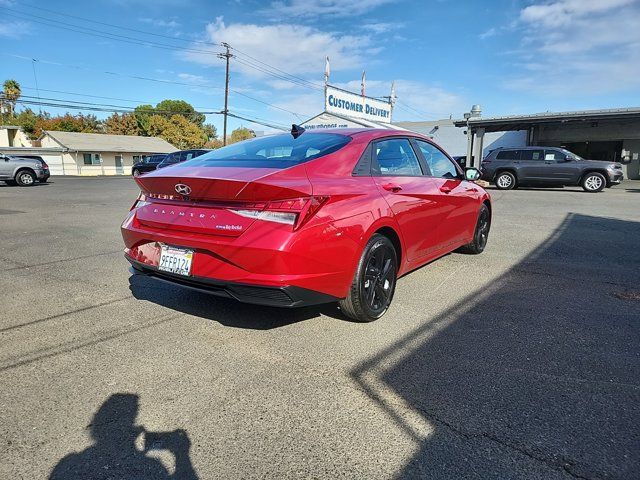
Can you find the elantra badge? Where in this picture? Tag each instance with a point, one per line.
(183, 189)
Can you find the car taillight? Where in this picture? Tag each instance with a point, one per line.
(141, 201)
(294, 211)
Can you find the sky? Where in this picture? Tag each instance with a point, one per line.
(509, 56)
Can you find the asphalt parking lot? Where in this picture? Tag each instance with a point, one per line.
(523, 362)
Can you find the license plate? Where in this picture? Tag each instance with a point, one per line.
(175, 260)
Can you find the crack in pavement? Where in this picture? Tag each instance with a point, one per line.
(83, 257)
(565, 467)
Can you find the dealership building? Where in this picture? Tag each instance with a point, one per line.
(608, 135)
(611, 135)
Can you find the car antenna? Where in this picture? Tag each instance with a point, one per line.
(296, 130)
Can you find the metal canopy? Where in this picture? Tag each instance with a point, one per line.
(524, 122)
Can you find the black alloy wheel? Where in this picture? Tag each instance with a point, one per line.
(481, 233)
(374, 283)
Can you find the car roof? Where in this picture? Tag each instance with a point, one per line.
(534, 147)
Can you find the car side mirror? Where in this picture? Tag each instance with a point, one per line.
(472, 174)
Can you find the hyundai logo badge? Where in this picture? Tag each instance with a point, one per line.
(183, 189)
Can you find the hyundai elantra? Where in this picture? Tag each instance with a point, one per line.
(307, 217)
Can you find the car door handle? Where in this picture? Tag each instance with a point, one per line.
(445, 189)
(548, 162)
(392, 187)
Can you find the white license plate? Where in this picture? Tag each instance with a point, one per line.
(175, 260)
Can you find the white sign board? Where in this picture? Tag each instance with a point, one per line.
(353, 105)
(326, 120)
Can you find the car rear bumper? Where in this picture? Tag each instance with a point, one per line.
(287, 296)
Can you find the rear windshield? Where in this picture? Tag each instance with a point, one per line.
(276, 151)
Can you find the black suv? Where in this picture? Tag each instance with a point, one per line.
(548, 166)
(181, 156)
(148, 163)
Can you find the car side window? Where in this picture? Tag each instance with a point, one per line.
(395, 157)
(533, 155)
(509, 155)
(172, 157)
(554, 155)
(439, 164)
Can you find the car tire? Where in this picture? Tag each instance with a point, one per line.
(374, 283)
(505, 181)
(136, 172)
(25, 178)
(480, 234)
(594, 182)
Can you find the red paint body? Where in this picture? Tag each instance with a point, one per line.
(430, 216)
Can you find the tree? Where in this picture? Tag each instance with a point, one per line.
(213, 143)
(177, 130)
(210, 131)
(27, 120)
(241, 133)
(168, 108)
(68, 123)
(11, 93)
(125, 124)
(143, 114)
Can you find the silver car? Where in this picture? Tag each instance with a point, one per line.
(21, 171)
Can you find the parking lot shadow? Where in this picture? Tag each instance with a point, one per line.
(536, 375)
(114, 455)
(225, 311)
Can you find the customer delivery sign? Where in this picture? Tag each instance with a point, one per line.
(353, 105)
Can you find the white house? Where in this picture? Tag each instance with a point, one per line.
(13, 136)
(98, 154)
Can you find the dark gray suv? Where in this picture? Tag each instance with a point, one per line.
(509, 168)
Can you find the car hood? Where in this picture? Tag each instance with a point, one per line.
(598, 163)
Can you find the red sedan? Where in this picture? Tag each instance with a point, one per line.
(307, 218)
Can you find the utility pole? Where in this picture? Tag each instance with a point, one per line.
(227, 55)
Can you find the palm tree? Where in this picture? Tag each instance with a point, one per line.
(11, 93)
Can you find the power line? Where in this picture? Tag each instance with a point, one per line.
(288, 76)
(310, 83)
(73, 102)
(265, 68)
(411, 109)
(83, 106)
(144, 32)
(99, 33)
(264, 123)
(150, 79)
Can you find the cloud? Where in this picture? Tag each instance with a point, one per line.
(416, 100)
(15, 29)
(492, 32)
(381, 27)
(313, 9)
(293, 48)
(566, 12)
(577, 47)
(161, 23)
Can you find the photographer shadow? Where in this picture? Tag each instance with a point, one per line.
(115, 454)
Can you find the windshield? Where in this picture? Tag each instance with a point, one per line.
(571, 154)
(276, 151)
